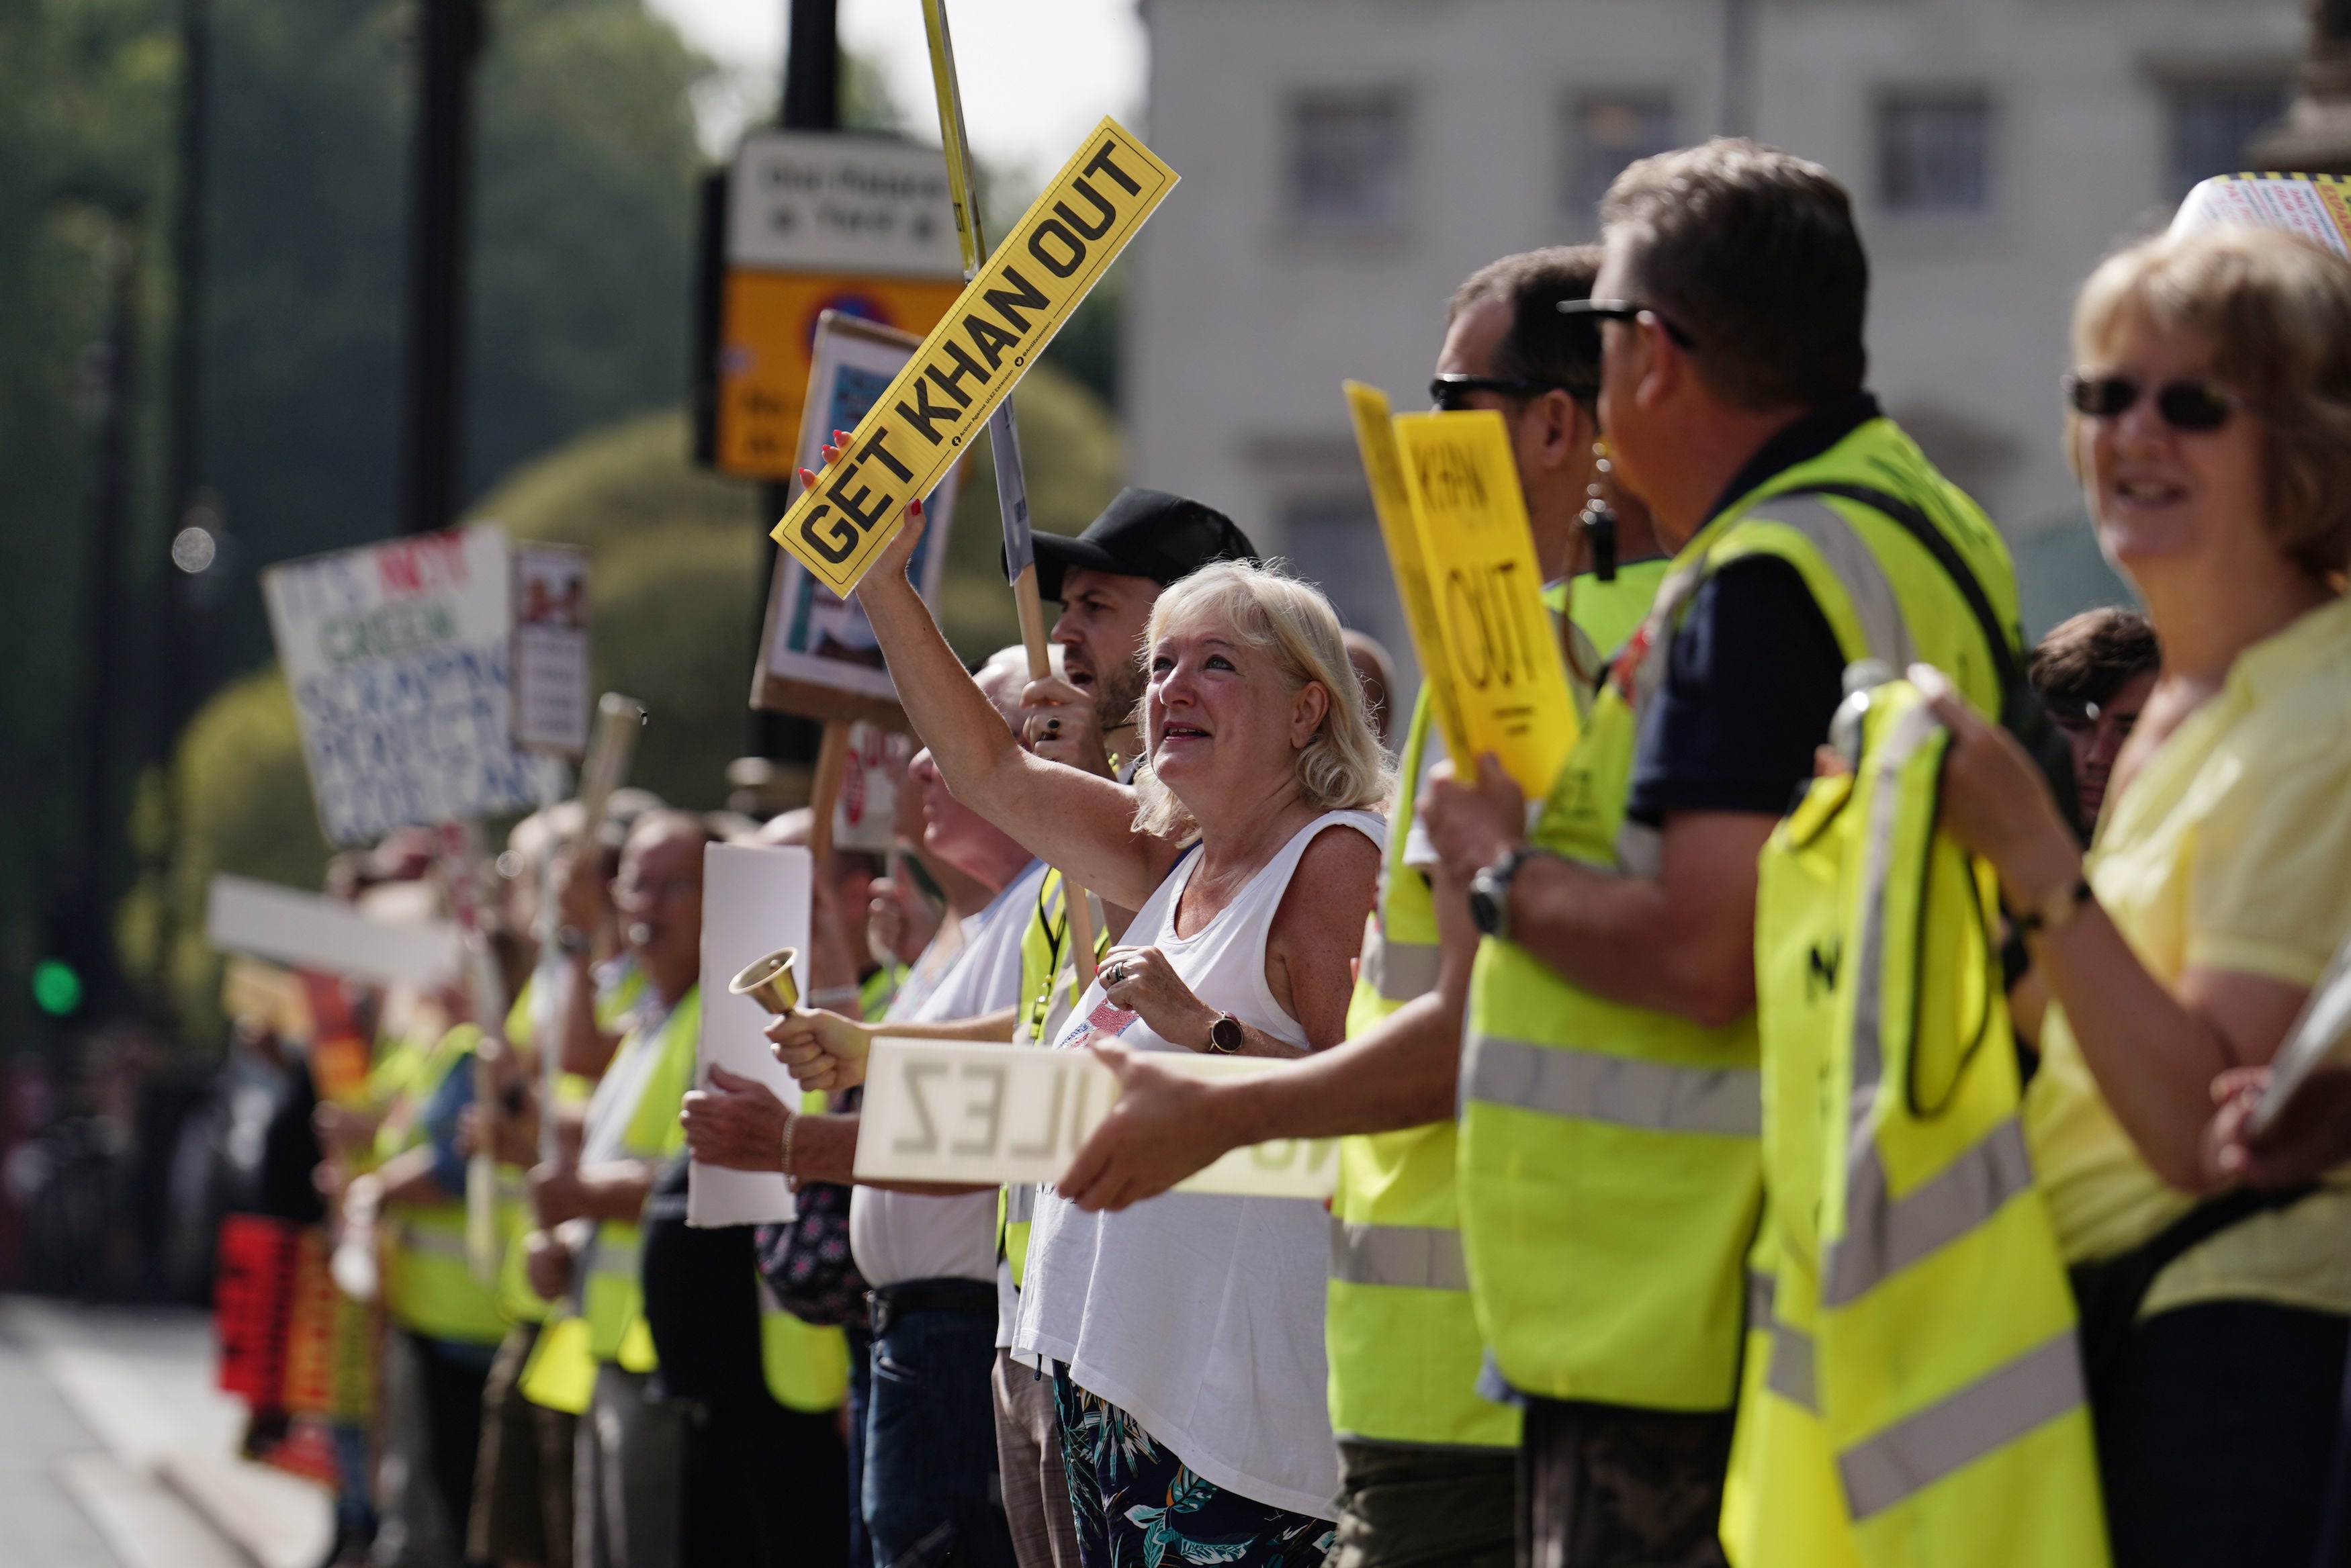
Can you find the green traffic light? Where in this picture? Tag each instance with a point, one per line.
(57, 989)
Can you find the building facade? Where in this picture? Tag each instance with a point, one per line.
(1346, 163)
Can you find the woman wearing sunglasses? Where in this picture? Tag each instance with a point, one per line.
(2210, 425)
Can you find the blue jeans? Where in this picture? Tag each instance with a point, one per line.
(930, 1491)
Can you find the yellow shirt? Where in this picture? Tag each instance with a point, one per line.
(2231, 850)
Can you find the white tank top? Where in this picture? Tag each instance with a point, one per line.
(1201, 1316)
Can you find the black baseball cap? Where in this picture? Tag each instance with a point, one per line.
(1142, 533)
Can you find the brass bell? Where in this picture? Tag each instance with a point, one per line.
(769, 981)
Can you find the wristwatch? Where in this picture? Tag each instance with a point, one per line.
(1489, 894)
(1225, 1037)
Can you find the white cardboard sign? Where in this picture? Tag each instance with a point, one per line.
(955, 1111)
(550, 649)
(755, 899)
(821, 202)
(304, 930)
(397, 655)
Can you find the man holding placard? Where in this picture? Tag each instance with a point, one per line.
(1609, 1170)
(1427, 1466)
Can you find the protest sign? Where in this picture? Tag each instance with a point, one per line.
(1497, 650)
(1392, 504)
(941, 1110)
(398, 656)
(307, 931)
(550, 649)
(755, 899)
(814, 222)
(970, 361)
(2317, 207)
(865, 810)
(819, 655)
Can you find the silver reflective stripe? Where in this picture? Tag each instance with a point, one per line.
(1855, 566)
(1622, 1090)
(434, 1243)
(1398, 972)
(611, 1257)
(1884, 1236)
(1411, 1257)
(1019, 1202)
(1759, 1286)
(1989, 1412)
(1792, 1376)
(514, 1186)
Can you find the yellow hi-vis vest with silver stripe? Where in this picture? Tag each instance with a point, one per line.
(1397, 1324)
(612, 1298)
(1610, 1171)
(1396, 1271)
(430, 1287)
(1917, 1399)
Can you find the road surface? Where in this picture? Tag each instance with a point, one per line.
(117, 1452)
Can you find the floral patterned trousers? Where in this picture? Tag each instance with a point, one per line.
(1139, 1506)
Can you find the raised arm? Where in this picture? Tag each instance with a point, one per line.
(1067, 817)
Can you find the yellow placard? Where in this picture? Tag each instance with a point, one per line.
(941, 401)
(1497, 652)
(1392, 502)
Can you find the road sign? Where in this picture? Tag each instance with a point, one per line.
(819, 221)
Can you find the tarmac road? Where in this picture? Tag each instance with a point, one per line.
(117, 1452)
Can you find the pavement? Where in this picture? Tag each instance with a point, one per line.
(116, 1450)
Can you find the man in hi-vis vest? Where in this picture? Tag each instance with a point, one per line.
(1427, 1466)
(1609, 1172)
(626, 1476)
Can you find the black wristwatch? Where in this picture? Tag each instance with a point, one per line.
(1489, 894)
(1225, 1037)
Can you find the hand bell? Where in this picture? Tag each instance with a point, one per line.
(769, 981)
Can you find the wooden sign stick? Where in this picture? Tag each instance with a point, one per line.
(1003, 434)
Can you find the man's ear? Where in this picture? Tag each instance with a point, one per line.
(1306, 717)
(1561, 435)
(1664, 370)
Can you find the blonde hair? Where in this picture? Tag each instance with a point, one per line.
(1343, 767)
(2276, 312)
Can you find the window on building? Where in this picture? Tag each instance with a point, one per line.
(1934, 151)
(1338, 533)
(2213, 124)
(1603, 132)
(1347, 164)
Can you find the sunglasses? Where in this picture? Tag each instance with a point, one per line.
(1450, 392)
(1625, 310)
(2189, 405)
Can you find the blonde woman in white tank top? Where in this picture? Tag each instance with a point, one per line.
(1185, 1333)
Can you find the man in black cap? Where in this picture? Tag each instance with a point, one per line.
(1107, 579)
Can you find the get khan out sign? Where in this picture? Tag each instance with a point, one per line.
(917, 428)
(398, 658)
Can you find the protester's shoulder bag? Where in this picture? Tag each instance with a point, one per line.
(806, 1259)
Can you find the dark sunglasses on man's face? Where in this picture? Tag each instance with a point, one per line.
(1450, 392)
(2187, 405)
(1625, 310)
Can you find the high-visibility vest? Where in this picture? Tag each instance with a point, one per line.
(1048, 989)
(1915, 1398)
(430, 1287)
(805, 1366)
(1609, 1167)
(612, 1295)
(1396, 1271)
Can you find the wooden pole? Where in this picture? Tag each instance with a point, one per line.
(831, 770)
(1003, 434)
